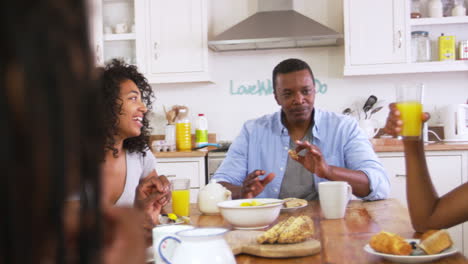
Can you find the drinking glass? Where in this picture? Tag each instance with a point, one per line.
(409, 103)
(180, 197)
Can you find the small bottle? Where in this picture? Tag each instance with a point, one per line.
(183, 132)
(415, 9)
(201, 131)
(435, 8)
(421, 46)
(459, 8)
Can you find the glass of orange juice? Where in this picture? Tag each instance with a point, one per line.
(409, 103)
(180, 189)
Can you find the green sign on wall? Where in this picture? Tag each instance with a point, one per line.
(266, 88)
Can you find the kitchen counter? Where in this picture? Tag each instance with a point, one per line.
(387, 145)
(395, 145)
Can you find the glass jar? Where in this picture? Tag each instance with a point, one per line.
(420, 46)
(415, 9)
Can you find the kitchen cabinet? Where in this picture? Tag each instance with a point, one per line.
(448, 170)
(118, 32)
(378, 38)
(192, 168)
(177, 48)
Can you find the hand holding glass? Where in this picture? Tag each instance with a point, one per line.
(409, 103)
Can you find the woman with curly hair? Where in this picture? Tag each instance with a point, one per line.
(128, 173)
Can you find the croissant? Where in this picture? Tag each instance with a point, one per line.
(390, 243)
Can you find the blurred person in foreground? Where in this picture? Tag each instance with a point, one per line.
(50, 120)
(129, 175)
(331, 147)
(426, 208)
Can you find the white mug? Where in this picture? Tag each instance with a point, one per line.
(168, 246)
(334, 196)
(121, 28)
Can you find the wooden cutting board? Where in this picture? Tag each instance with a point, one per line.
(242, 241)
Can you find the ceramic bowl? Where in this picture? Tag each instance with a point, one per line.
(250, 217)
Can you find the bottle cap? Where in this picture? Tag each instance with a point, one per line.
(201, 114)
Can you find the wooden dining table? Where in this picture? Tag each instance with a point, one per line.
(342, 240)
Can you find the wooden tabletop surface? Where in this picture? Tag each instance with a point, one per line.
(343, 239)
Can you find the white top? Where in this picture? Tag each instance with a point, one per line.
(138, 167)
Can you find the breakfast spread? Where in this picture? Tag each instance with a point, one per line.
(293, 230)
(435, 241)
(293, 154)
(432, 242)
(390, 243)
(294, 202)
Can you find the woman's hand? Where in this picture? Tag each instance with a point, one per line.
(394, 123)
(152, 194)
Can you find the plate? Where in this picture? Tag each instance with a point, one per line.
(411, 259)
(290, 209)
(164, 220)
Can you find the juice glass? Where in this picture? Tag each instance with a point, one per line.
(409, 103)
(180, 189)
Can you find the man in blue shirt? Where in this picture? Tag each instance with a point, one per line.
(331, 147)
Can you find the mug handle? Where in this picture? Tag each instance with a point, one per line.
(161, 242)
(350, 192)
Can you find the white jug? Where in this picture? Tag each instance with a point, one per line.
(199, 245)
(368, 125)
(210, 195)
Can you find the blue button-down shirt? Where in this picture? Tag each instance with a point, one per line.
(263, 144)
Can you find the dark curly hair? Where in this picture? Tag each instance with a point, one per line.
(288, 66)
(116, 72)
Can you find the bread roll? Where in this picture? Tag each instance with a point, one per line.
(435, 242)
(390, 243)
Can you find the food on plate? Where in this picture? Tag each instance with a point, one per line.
(252, 203)
(293, 230)
(294, 202)
(293, 154)
(435, 241)
(389, 243)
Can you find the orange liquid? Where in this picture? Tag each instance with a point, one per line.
(183, 136)
(411, 115)
(181, 202)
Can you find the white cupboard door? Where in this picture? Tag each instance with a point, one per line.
(96, 29)
(178, 40)
(375, 31)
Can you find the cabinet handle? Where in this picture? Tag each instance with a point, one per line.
(400, 175)
(155, 47)
(170, 176)
(399, 39)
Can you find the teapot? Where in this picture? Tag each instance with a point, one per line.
(198, 245)
(210, 195)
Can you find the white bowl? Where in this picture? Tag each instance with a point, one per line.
(250, 217)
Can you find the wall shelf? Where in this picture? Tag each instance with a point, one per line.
(438, 21)
(125, 36)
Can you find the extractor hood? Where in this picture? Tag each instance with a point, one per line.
(275, 26)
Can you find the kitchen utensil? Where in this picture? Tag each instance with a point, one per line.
(375, 110)
(347, 111)
(245, 242)
(250, 217)
(199, 245)
(210, 195)
(369, 104)
(455, 119)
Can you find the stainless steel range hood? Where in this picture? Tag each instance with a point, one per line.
(275, 26)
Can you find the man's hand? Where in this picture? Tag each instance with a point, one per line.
(313, 160)
(152, 194)
(394, 123)
(253, 186)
